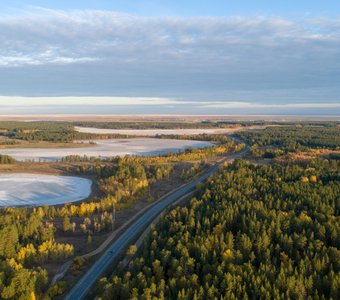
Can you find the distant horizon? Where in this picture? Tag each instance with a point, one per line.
(158, 105)
(163, 117)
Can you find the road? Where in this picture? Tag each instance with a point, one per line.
(82, 287)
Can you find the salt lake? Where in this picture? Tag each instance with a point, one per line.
(38, 189)
(107, 148)
(149, 132)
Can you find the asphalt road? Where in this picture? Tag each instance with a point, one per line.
(80, 290)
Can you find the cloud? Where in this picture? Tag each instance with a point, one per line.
(235, 59)
(249, 105)
(42, 36)
(14, 102)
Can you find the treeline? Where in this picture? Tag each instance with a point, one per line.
(259, 232)
(151, 125)
(6, 159)
(194, 124)
(190, 154)
(198, 137)
(62, 132)
(16, 126)
(294, 138)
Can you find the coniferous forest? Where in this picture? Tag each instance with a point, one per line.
(253, 231)
(264, 227)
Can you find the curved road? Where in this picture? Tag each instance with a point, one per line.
(86, 282)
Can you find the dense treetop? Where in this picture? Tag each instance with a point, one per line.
(294, 137)
(267, 232)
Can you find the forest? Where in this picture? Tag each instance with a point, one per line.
(28, 236)
(286, 134)
(64, 131)
(295, 138)
(252, 231)
(49, 131)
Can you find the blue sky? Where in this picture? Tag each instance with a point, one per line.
(198, 57)
(284, 8)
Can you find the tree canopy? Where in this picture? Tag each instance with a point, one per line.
(253, 231)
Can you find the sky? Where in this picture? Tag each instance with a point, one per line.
(175, 57)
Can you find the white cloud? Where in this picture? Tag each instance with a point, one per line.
(15, 101)
(7, 101)
(42, 36)
(249, 105)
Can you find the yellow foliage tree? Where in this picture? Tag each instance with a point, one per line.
(304, 179)
(313, 178)
(26, 252)
(33, 296)
(228, 254)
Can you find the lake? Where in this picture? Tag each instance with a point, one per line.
(107, 148)
(149, 132)
(37, 189)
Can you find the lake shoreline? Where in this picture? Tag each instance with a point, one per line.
(32, 190)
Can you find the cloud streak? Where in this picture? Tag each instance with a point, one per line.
(12, 101)
(248, 105)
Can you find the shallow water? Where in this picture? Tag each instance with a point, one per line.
(107, 148)
(38, 189)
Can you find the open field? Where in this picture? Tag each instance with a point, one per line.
(36, 190)
(107, 148)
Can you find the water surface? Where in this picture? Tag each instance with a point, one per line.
(107, 148)
(37, 189)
